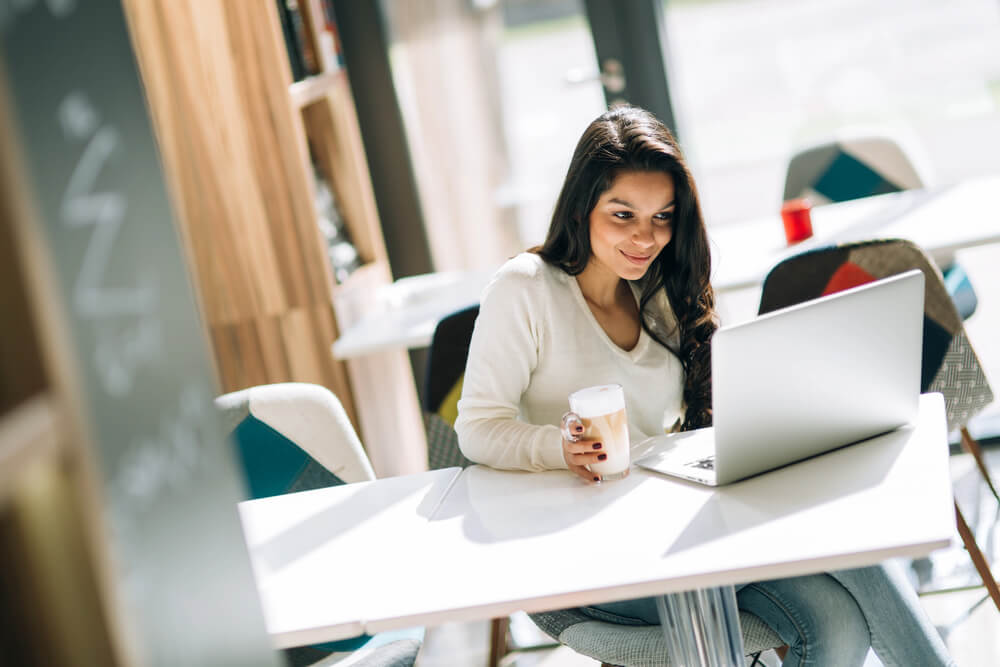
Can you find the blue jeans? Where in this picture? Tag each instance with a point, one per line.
(828, 620)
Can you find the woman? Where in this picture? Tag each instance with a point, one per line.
(619, 293)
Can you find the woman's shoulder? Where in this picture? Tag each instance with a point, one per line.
(525, 283)
(528, 268)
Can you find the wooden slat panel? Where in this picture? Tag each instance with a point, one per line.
(238, 352)
(291, 347)
(304, 361)
(234, 147)
(273, 353)
(278, 152)
(183, 49)
(335, 375)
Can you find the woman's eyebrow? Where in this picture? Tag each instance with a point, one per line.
(622, 202)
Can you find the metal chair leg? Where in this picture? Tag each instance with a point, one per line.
(978, 559)
(498, 640)
(971, 446)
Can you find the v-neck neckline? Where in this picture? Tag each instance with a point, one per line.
(581, 301)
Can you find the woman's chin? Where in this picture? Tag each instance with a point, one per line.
(634, 272)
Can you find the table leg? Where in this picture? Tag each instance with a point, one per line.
(702, 628)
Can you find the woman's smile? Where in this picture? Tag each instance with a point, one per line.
(637, 259)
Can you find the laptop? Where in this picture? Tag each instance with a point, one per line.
(804, 380)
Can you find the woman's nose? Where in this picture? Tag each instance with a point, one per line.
(643, 236)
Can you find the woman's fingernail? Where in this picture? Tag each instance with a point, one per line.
(578, 428)
(597, 445)
(601, 457)
(597, 479)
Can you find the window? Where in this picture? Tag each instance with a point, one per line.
(752, 80)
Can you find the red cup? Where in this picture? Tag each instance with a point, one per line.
(798, 223)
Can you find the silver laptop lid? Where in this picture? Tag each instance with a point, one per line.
(818, 375)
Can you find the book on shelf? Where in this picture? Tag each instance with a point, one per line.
(341, 252)
(301, 53)
(329, 39)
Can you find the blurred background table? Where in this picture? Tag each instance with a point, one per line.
(406, 312)
(940, 220)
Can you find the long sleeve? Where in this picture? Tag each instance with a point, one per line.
(535, 342)
(503, 355)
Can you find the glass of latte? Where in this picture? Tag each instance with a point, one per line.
(601, 410)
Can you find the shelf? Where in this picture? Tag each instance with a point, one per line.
(28, 433)
(313, 88)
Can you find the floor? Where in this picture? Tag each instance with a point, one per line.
(966, 618)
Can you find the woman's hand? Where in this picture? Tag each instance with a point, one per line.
(580, 452)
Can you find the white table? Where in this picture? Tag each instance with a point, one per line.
(453, 545)
(939, 220)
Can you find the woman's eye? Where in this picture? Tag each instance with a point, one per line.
(663, 219)
(623, 215)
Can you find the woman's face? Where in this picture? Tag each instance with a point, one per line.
(632, 222)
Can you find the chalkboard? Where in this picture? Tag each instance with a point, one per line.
(183, 584)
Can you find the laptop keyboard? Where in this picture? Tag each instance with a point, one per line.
(707, 463)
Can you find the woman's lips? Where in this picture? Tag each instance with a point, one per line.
(636, 259)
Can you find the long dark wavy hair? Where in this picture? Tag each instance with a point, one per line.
(631, 139)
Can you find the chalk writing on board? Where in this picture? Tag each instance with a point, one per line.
(127, 327)
(166, 460)
(154, 468)
(156, 464)
(175, 561)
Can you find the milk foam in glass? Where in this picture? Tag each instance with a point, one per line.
(602, 411)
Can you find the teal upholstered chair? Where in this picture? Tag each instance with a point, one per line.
(297, 437)
(949, 364)
(853, 167)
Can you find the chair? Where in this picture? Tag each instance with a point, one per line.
(949, 364)
(861, 166)
(295, 437)
(609, 642)
(637, 645)
(446, 358)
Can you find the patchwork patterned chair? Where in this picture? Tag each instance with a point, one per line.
(862, 166)
(296, 437)
(850, 168)
(949, 364)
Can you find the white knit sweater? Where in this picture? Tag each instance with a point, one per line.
(535, 342)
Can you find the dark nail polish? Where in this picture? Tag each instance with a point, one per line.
(601, 457)
(597, 445)
(597, 479)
